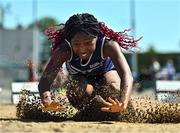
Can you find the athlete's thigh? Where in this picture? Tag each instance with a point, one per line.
(112, 78)
(77, 92)
(110, 86)
(76, 84)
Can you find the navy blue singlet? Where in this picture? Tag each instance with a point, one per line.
(96, 64)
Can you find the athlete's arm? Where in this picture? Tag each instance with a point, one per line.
(61, 55)
(112, 49)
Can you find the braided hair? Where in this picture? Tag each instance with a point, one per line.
(88, 24)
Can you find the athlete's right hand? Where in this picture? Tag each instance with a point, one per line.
(49, 104)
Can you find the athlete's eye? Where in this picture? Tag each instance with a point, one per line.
(76, 44)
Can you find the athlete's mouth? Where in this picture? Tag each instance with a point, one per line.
(84, 54)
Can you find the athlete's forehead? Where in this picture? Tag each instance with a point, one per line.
(79, 37)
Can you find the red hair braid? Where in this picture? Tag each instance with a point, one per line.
(122, 38)
(56, 37)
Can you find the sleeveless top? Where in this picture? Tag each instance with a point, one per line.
(96, 64)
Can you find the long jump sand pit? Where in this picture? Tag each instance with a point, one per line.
(10, 123)
(147, 116)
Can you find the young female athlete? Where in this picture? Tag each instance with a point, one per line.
(93, 57)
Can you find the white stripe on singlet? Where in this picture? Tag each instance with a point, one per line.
(102, 56)
(71, 50)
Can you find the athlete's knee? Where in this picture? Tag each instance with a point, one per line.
(89, 89)
(114, 85)
(80, 89)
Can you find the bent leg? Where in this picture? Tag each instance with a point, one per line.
(112, 78)
(79, 92)
(111, 85)
(112, 89)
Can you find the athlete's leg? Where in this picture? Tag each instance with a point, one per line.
(82, 94)
(111, 85)
(112, 78)
(79, 92)
(113, 90)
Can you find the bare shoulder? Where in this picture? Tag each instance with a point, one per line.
(111, 47)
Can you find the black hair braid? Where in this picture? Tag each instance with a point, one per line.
(88, 24)
(81, 22)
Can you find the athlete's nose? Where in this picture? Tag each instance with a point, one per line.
(82, 49)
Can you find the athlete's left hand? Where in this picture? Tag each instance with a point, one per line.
(113, 106)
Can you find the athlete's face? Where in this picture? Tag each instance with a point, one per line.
(83, 45)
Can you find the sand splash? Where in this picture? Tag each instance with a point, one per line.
(139, 111)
